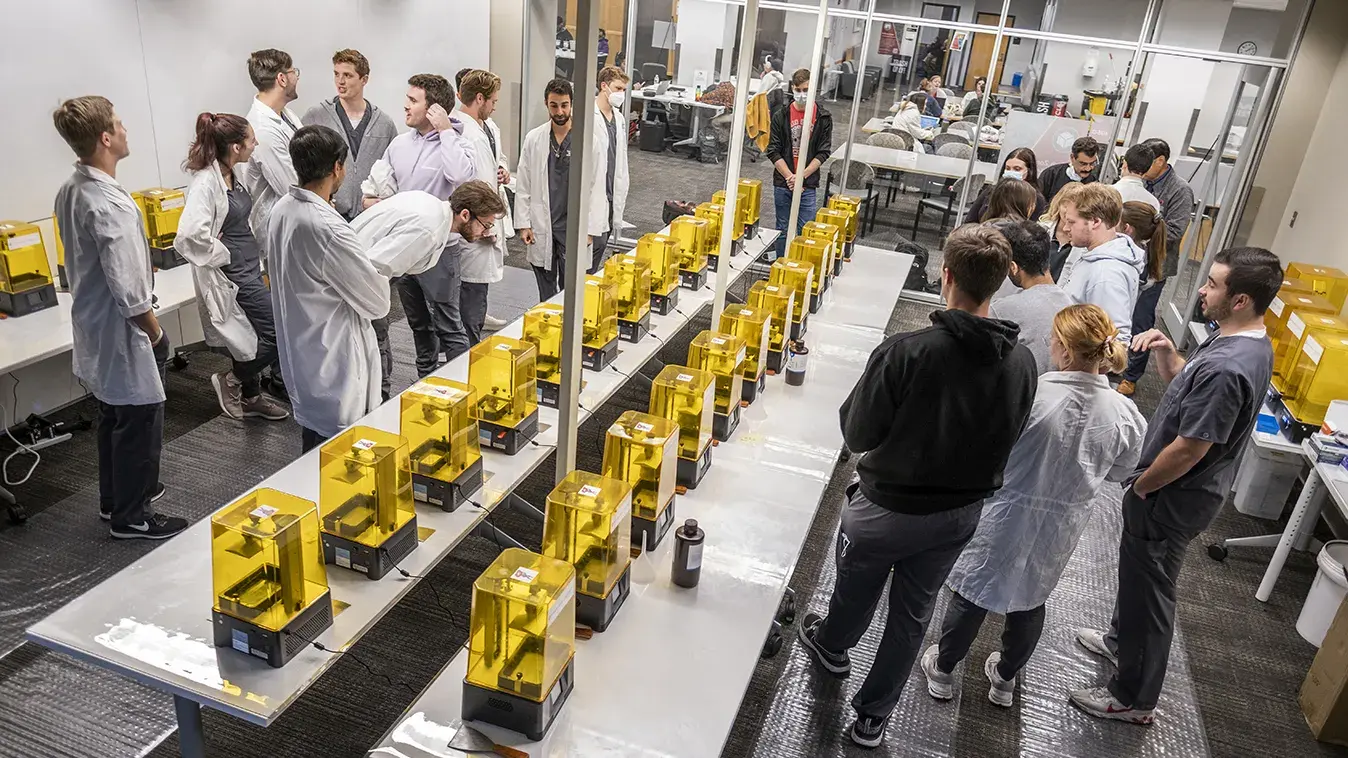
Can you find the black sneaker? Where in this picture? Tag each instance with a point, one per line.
(837, 664)
(156, 527)
(869, 731)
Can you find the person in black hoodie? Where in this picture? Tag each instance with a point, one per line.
(935, 414)
(784, 132)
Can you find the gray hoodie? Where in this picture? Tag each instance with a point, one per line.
(1110, 276)
(378, 133)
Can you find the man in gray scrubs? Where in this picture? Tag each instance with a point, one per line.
(1182, 479)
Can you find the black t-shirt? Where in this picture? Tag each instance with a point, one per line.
(354, 134)
(612, 125)
(559, 178)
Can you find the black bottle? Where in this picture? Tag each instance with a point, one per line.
(688, 554)
(797, 355)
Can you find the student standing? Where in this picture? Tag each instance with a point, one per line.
(784, 145)
(118, 343)
(1037, 299)
(1019, 164)
(1132, 185)
(213, 234)
(1147, 227)
(1081, 168)
(326, 292)
(612, 136)
(1199, 429)
(1111, 266)
(368, 132)
(483, 260)
(434, 157)
(541, 213)
(920, 493)
(1080, 435)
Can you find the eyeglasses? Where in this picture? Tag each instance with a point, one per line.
(486, 227)
(295, 71)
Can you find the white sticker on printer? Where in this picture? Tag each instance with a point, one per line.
(1313, 350)
(589, 490)
(1295, 325)
(1276, 306)
(262, 511)
(562, 600)
(363, 444)
(526, 575)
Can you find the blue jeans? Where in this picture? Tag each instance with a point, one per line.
(781, 200)
(1144, 318)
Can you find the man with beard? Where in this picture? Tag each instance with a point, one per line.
(1181, 481)
(541, 191)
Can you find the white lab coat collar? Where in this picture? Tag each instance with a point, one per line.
(198, 240)
(97, 174)
(1075, 378)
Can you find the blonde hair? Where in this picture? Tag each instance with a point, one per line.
(1090, 337)
(1098, 202)
(610, 74)
(1065, 194)
(478, 82)
(83, 121)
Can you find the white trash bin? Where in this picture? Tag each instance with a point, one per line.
(1327, 593)
(1265, 480)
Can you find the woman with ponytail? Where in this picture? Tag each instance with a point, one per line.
(214, 236)
(1147, 227)
(1080, 435)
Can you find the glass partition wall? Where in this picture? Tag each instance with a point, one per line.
(1204, 75)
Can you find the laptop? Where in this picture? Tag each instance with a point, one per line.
(930, 122)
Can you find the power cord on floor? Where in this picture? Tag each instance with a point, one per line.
(486, 517)
(347, 653)
(22, 448)
(409, 575)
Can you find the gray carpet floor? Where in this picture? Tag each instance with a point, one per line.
(1245, 659)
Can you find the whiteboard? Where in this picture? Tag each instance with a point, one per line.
(161, 62)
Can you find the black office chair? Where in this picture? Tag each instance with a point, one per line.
(652, 71)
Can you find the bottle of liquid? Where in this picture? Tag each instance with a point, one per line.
(688, 554)
(697, 92)
(797, 356)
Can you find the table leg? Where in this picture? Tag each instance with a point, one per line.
(1307, 509)
(191, 739)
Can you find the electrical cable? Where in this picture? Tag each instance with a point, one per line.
(347, 653)
(409, 575)
(22, 448)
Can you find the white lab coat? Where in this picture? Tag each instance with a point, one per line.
(405, 233)
(533, 198)
(270, 173)
(326, 292)
(771, 81)
(198, 240)
(1080, 434)
(621, 180)
(483, 262)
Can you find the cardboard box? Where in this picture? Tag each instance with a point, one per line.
(1324, 694)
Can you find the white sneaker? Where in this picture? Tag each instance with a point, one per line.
(493, 323)
(1002, 692)
(1094, 641)
(1101, 703)
(229, 391)
(940, 685)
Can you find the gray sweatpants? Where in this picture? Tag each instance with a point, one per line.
(920, 551)
(1151, 554)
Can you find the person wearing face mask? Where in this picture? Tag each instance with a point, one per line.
(544, 176)
(1081, 168)
(611, 132)
(772, 78)
(1019, 164)
(326, 293)
(214, 236)
(785, 131)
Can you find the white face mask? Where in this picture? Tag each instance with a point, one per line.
(1012, 174)
(616, 99)
(801, 97)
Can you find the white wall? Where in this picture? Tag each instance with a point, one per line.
(1110, 19)
(700, 31)
(163, 61)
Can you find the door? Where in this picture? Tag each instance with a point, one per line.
(980, 56)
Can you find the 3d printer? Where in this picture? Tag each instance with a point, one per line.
(633, 278)
(851, 206)
(754, 326)
(833, 235)
(779, 302)
(1329, 283)
(660, 252)
(1319, 377)
(1280, 310)
(599, 327)
(690, 238)
(502, 369)
(842, 250)
(588, 523)
(438, 424)
(643, 451)
(798, 278)
(1294, 336)
(819, 255)
(162, 208)
(714, 215)
(521, 643)
(25, 275)
(723, 355)
(737, 229)
(686, 396)
(271, 588)
(369, 523)
(543, 329)
(751, 203)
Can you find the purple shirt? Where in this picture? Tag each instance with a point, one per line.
(437, 162)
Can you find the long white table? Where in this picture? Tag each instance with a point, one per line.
(685, 98)
(151, 621)
(667, 677)
(917, 163)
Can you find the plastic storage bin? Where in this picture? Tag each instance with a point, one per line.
(1327, 593)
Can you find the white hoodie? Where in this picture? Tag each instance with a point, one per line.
(1109, 276)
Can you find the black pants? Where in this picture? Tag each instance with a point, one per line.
(600, 246)
(963, 619)
(550, 282)
(473, 306)
(919, 551)
(435, 325)
(385, 357)
(255, 301)
(309, 439)
(1151, 554)
(130, 440)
